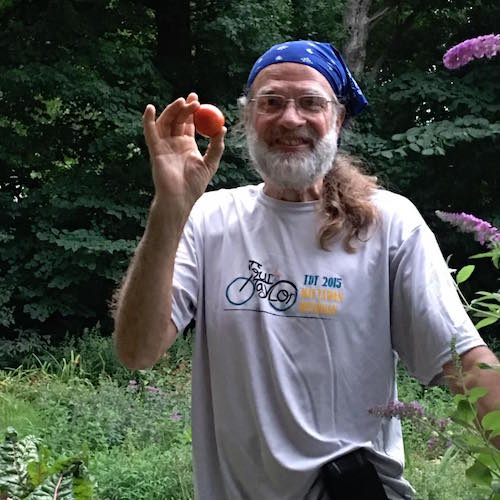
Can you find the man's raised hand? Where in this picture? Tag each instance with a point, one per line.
(180, 172)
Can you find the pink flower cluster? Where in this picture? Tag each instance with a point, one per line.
(474, 48)
(483, 231)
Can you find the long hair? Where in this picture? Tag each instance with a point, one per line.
(346, 205)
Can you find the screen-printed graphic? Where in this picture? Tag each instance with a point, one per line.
(259, 289)
(280, 294)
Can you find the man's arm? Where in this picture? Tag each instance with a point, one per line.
(142, 311)
(477, 377)
(143, 326)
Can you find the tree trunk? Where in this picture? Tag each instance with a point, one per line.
(173, 56)
(356, 24)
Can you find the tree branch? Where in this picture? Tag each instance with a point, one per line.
(378, 15)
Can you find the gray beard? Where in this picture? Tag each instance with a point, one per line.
(293, 170)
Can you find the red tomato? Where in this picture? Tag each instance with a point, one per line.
(208, 120)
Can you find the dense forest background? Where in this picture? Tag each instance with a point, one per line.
(76, 75)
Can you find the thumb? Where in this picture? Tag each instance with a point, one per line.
(215, 149)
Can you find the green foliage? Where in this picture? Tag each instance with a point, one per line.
(14, 458)
(136, 449)
(434, 481)
(137, 437)
(75, 78)
(153, 472)
(426, 130)
(28, 472)
(236, 33)
(90, 355)
(321, 20)
(73, 179)
(437, 400)
(487, 305)
(434, 138)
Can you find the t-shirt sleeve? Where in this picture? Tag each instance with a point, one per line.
(186, 278)
(426, 311)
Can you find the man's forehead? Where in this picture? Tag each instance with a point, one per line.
(292, 76)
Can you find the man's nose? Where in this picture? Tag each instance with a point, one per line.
(290, 116)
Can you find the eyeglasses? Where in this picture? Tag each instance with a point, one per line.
(306, 105)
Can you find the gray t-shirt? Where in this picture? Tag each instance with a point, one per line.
(294, 344)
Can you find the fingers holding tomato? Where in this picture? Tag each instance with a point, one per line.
(177, 118)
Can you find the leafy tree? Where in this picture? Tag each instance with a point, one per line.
(73, 182)
(75, 77)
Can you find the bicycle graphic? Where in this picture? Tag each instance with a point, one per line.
(281, 295)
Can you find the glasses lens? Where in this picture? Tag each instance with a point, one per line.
(270, 103)
(312, 104)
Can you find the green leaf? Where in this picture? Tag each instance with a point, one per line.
(428, 151)
(482, 255)
(386, 154)
(489, 458)
(465, 413)
(58, 486)
(479, 474)
(464, 273)
(476, 393)
(15, 454)
(414, 147)
(485, 322)
(491, 421)
(65, 484)
(449, 455)
(486, 366)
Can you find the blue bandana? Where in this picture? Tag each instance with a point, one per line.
(323, 57)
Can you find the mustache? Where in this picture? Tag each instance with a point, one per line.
(306, 133)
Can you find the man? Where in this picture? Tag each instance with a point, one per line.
(304, 289)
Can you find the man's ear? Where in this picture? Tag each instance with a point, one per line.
(247, 114)
(340, 118)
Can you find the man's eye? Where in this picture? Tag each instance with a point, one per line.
(273, 102)
(312, 102)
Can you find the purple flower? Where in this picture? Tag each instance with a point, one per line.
(431, 444)
(443, 423)
(399, 409)
(474, 48)
(483, 231)
(175, 416)
(436, 442)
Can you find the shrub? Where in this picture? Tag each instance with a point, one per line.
(154, 472)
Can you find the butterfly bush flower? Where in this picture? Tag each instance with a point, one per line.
(415, 413)
(474, 48)
(483, 231)
(399, 409)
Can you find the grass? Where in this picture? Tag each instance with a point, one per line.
(136, 436)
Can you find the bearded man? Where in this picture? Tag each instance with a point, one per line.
(305, 290)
